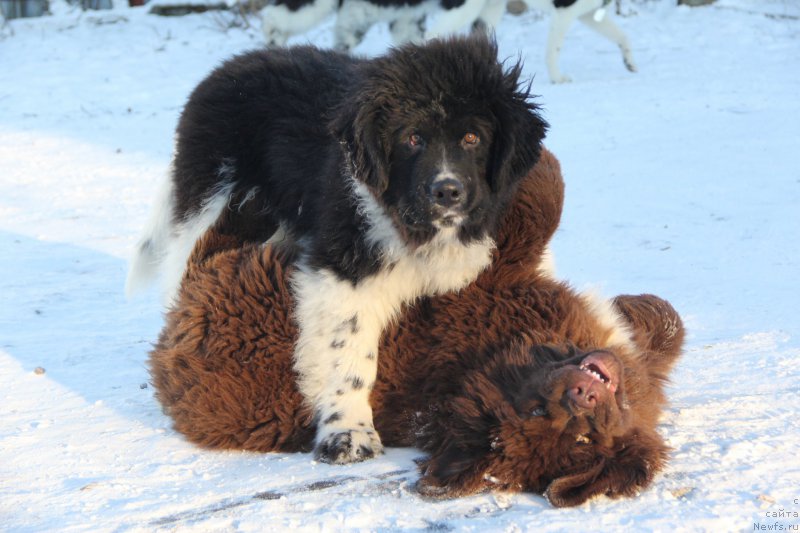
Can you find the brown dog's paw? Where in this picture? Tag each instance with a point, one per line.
(428, 488)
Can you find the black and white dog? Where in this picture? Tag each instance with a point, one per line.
(389, 174)
(406, 20)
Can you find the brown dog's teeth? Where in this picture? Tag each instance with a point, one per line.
(595, 374)
(598, 376)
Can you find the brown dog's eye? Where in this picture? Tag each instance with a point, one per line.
(471, 138)
(538, 411)
(414, 139)
(583, 439)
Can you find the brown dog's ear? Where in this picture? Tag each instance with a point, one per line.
(625, 473)
(574, 489)
(358, 126)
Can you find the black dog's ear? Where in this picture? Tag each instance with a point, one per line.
(358, 127)
(519, 132)
(630, 469)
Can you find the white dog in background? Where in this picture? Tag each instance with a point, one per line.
(590, 12)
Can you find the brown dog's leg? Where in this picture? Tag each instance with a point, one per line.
(657, 327)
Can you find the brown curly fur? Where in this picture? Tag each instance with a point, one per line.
(459, 375)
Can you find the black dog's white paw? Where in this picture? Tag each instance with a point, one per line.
(349, 446)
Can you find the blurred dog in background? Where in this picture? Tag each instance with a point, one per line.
(406, 18)
(407, 21)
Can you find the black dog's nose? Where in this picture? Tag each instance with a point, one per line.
(448, 192)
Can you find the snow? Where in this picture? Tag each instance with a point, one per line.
(682, 180)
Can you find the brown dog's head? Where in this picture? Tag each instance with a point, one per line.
(567, 424)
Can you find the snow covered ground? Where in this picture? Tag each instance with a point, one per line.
(682, 180)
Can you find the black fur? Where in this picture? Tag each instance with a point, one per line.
(293, 124)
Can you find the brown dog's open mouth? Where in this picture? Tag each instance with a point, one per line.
(595, 366)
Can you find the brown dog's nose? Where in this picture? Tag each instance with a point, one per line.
(447, 193)
(583, 394)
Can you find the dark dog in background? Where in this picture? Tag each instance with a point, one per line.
(388, 175)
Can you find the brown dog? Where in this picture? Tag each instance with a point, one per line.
(516, 382)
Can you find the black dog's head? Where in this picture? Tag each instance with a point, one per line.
(441, 133)
(570, 425)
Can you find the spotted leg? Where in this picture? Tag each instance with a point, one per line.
(336, 362)
(352, 22)
(490, 16)
(407, 29)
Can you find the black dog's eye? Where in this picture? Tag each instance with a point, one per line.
(415, 139)
(538, 411)
(471, 139)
